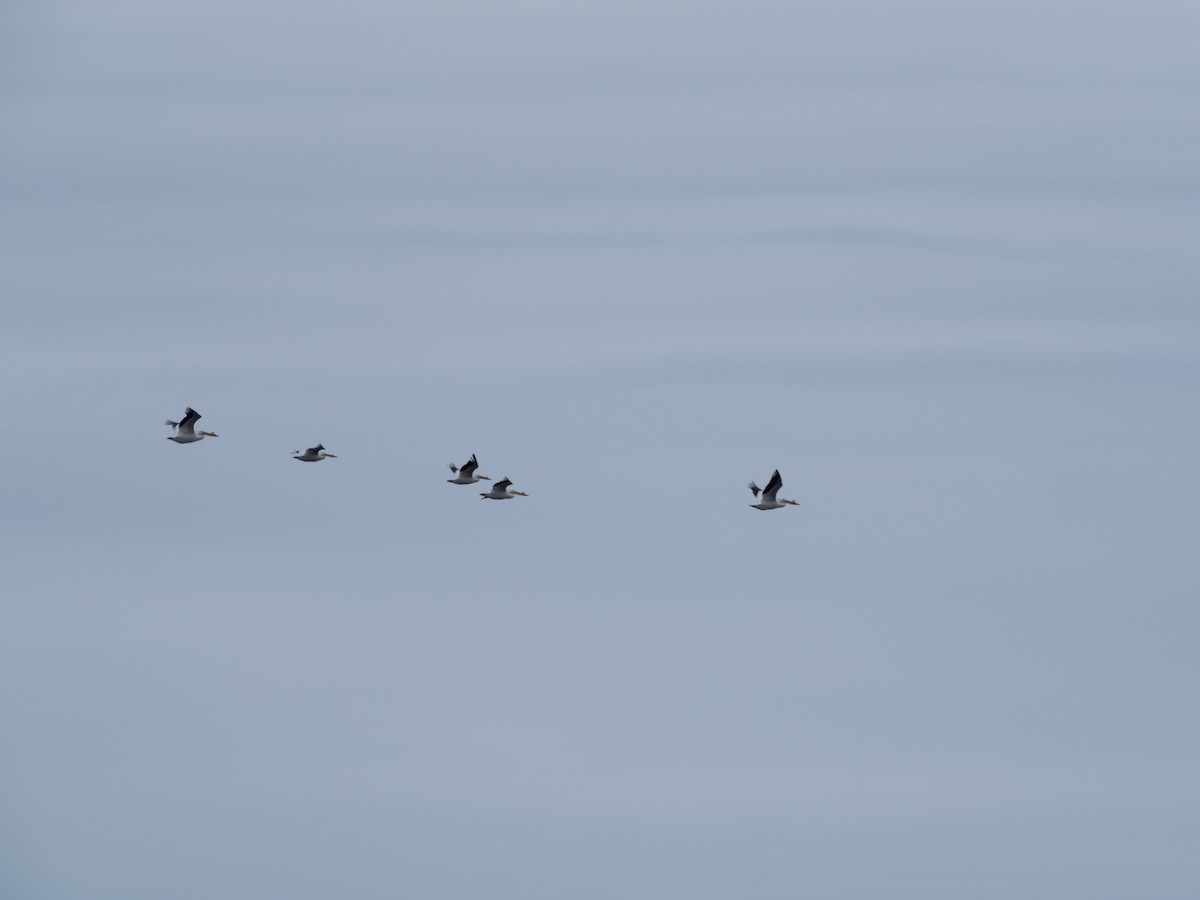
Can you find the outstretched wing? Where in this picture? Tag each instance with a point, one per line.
(187, 424)
(502, 485)
(469, 467)
(754, 488)
(773, 485)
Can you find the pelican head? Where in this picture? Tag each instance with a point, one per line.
(208, 433)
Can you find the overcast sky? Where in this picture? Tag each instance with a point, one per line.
(936, 261)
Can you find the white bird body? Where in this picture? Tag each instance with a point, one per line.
(766, 496)
(465, 474)
(185, 428)
(313, 454)
(500, 491)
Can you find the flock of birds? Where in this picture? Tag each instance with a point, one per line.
(467, 473)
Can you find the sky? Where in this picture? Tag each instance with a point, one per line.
(934, 261)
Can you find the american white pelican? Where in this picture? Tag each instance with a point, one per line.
(768, 501)
(465, 474)
(185, 428)
(500, 491)
(313, 454)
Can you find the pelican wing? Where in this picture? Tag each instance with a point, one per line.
(314, 451)
(773, 485)
(186, 425)
(502, 486)
(754, 488)
(469, 467)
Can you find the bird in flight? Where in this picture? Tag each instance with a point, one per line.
(500, 491)
(766, 496)
(313, 454)
(465, 474)
(185, 428)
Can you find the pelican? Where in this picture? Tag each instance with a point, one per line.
(465, 474)
(768, 501)
(313, 454)
(185, 428)
(500, 491)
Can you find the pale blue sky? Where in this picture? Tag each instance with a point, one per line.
(935, 261)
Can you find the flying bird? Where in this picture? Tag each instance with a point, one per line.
(500, 491)
(465, 474)
(313, 454)
(185, 428)
(767, 500)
